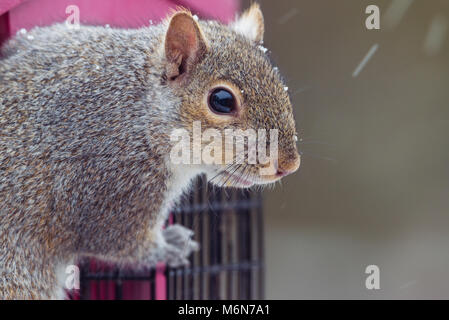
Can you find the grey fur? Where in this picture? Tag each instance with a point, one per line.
(85, 118)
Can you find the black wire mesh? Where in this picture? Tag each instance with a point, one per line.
(228, 225)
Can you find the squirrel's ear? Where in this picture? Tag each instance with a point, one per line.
(185, 44)
(250, 24)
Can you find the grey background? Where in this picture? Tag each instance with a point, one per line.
(373, 187)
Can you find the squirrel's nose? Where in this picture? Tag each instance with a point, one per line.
(288, 165)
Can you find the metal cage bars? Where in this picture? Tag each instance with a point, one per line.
(227, 223)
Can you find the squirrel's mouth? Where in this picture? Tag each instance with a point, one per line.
(237, 180)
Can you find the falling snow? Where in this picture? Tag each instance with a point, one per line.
(365, 60)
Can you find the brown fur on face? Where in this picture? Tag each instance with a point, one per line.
(263, 101)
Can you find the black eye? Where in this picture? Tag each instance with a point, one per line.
(221, 101)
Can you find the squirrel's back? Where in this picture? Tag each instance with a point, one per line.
(74, 112)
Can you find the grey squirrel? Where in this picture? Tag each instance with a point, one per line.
(85, 119)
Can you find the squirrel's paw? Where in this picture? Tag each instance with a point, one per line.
(179, 245)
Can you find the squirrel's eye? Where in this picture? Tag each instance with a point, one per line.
(221, 101)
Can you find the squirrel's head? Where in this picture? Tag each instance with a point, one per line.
(228, 86)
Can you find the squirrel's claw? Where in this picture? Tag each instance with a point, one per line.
(179, 245)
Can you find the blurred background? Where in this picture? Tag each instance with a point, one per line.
(373, 187)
